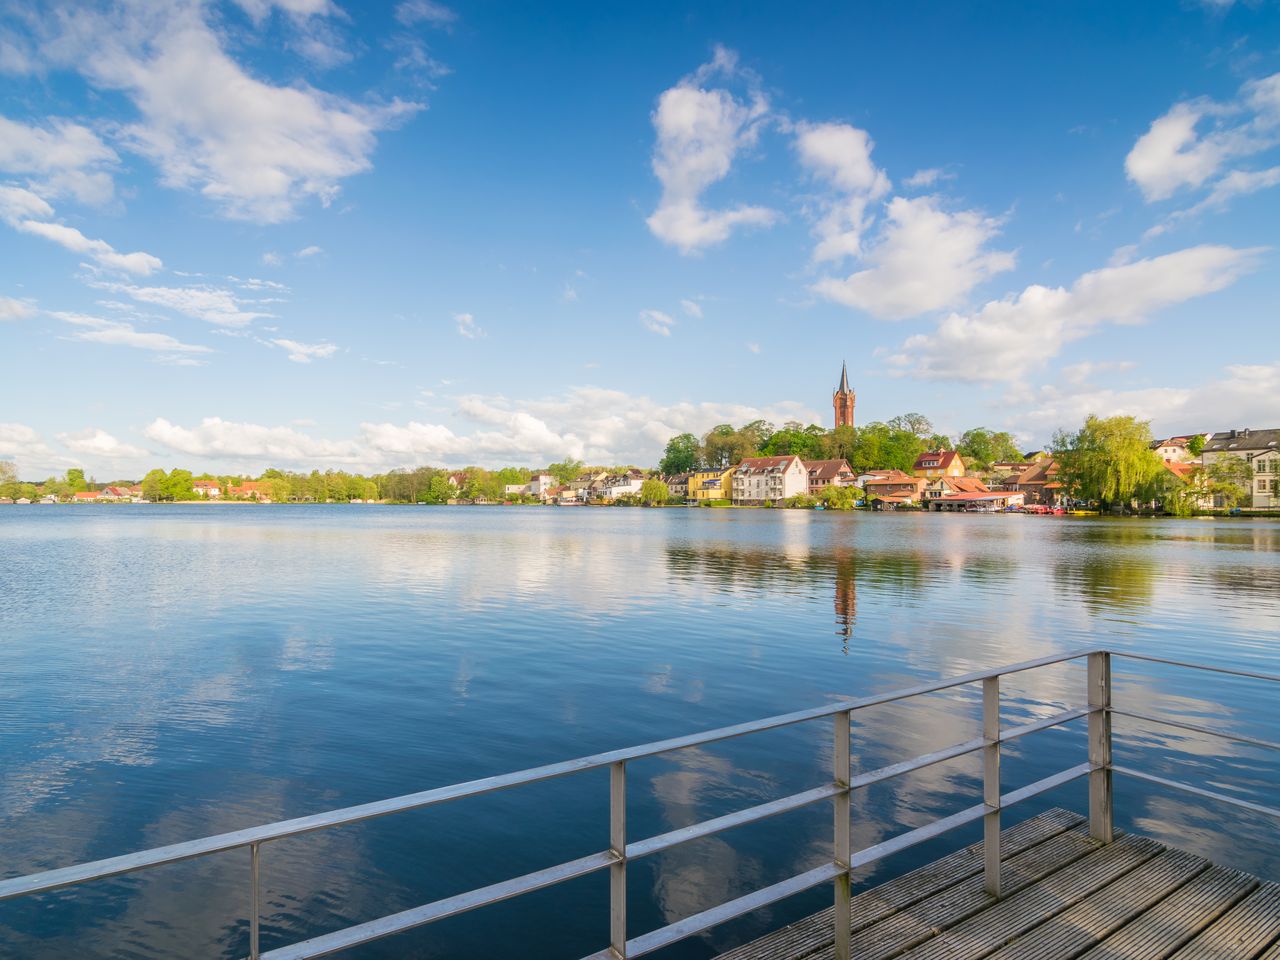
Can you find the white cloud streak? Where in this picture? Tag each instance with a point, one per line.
(306, 352)
(98, 443)
(11, 309)
(657, 322)
(118, 333)
(60, 158)
(700, 131)
(466, 326)
(1008, 339)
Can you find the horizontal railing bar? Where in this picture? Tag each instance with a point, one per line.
(1045, 785)
(1198, 791)
(919, 835)
(1197, 666)
(450, 906)
(681, 929)
(917, 763)
(1058, 718)
(1195, 728)
(663, 841)
(174, 853)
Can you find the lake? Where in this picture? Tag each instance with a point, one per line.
(172, 671)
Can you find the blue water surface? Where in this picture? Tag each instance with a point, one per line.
(170, 671)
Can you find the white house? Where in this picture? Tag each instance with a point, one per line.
(759, 480)
(1258, 448)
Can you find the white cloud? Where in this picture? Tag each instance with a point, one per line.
(700, 132)
(18, 203)
(31, 454)
(840, 155)
(467, 327)
(216, 438)
(216, 305)
(271, 259)
(1007, 339)
(11, 309)
(98, 443)
(254, 149)
(925, 258)
(61, 158)
(306, 252)
(1078, 373)
(118, 333)
(927, 177)
(258, 9)
(692, 308)
(412, 12)
(100, 251)
(657, 322)
(1192, 144)
(753, 347)
(306, 352)
(569, 294)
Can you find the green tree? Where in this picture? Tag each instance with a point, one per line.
(1195, 446)
(838, 498)
(681, 455)
(8, 472)
(153, 485)
(654, 491)
(723, 446)
(1109, 460)
(840, 444)
(565, 471)
(1229, 480)
(439, 490)
(808, 443)
(75, 480)
(178, 485)
(916, 423)
(981, 447)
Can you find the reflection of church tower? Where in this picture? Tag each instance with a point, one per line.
(846, 599)
(843, 400)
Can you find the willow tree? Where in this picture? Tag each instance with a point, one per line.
(1109, 460)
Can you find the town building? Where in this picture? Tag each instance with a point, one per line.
(895, 488)
(1177, 449)
(1040, 483)
(1258, 448)
(86, 496)
(978, 501)
(843, 400)
(714, 484)
(678, 485)
(207, 488)
(250, 490)
(826, 473)
(939, 463)
(942, 487)
(759, 480)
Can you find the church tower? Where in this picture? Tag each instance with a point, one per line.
(843, 400)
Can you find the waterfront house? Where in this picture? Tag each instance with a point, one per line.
(540, 485)
(759, 480)
(86, 496)
(251, 490)
(625, 484)
(677, 485)
(1177, 449)
(1258, 448)
(457, 480)
(938, 463)
(583, 482)
(6, 501)
(1039, 482)
(515, 489)
(942, 487)
(206, 488)
(825, 473)
(116, 493)
(896, 488)
(714, 484)
(861, 480)
(987, 501)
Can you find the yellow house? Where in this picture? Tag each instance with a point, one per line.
(938, 463)
(711, 485)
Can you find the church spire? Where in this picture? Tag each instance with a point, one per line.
(844, 379)
(843, 400)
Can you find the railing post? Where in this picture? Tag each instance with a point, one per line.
(255, 898)
(618, 870)
(1100, 816)
(841, 854)
(991, 785)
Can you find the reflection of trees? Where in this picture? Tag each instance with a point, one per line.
(749, 569)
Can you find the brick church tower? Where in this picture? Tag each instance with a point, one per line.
(843, 400)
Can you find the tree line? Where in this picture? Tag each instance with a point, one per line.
(894, 445)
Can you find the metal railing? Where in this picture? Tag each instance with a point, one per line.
(1098, 767)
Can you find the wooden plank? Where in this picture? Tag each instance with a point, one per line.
(1242, 932)
(919, 922)
(1009, 918)
(815, 932)
(1105, 911)
(1169, 924)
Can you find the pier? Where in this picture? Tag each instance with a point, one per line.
(1063, 884)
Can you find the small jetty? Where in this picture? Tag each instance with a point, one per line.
(1064, 896)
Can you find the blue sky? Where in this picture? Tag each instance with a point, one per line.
(319, 234)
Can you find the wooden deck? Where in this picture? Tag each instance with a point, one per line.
(1066, 897)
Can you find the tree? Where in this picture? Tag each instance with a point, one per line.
(1109, 460)
(8, 472)
(838, 498)
(153, 485)
(1229, 480)
(808, 443)
(75, 480)
(981, 447)
(1195, 446)
(178, 486)
(654, 491)
(723, 446)
(916, 423)
(681, 455)
(567, 470)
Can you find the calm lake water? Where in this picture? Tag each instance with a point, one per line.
(169, 672)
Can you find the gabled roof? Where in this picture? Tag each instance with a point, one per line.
(1232, 441)
(1039, 472)
(944, 458)
(1182, 471)
(827, 469)
(844, 380)
(761, 464)
(964, 484)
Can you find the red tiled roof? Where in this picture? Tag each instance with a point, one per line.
(765, 463)
(86, 495)
(1180, 470)
(827, 469)
(944, 458)
(965, 484)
